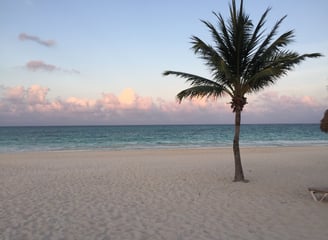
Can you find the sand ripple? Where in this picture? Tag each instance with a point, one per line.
(169, 194)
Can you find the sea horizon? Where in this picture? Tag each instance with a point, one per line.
(152, 124)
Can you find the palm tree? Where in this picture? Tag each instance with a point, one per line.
(242, 61)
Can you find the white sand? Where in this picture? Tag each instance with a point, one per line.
(163, 194)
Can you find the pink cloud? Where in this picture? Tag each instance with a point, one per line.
(35, 65)
(127, 98)
(31, 104)
(145, 103)
(269, 101)
(310, 101)
(108, 102)
(14, 93)
(272, 106)
(74, 104)
(36, 94)
(38, 65)
(47, 43)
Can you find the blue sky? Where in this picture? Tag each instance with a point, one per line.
(101, 62)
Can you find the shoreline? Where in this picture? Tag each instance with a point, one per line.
(163, 194)
(163, 149)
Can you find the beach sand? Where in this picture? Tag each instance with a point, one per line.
(163, 194)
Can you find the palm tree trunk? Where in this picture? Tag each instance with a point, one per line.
(239, 174)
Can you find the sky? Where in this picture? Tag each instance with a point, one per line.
(83, 62)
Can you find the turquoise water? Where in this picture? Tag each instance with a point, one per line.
(55, 138)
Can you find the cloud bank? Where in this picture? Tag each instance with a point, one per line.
(27, 37)
(31, 106)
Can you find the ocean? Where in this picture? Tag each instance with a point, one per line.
(66, 138)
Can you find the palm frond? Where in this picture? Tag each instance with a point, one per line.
(278, 66)
(257, 34)
(206, 52)
(282, 41)
(269, 54)
(193, 79)
(214, 61)
(262, 48)
(307, 55)
(201, 91)
(222, 41)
